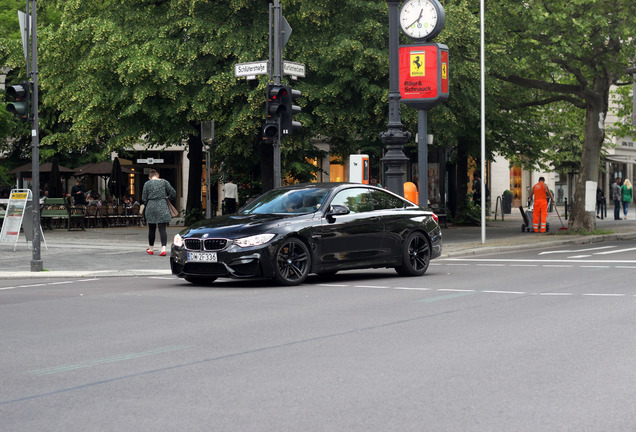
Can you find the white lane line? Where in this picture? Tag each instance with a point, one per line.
(334, 285)
(371, 286)
(503, 292)
(8, 288)
(592, 266)
(579, 256)
(537, 261)
(626, 267)
(604, 295)
(615, 251)
(557, 265)
(456, 290)
(30, 286)
(61, 283)
(556, 294)
(413, 289)
(491, 265)
(577, 250)
(524, 265)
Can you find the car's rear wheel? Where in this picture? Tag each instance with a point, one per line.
(417, 255)
(292, 262)
(200, 280)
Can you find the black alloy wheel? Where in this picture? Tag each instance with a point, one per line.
(292, 262)
(417, 255)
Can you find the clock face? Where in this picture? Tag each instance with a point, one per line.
(421, 19)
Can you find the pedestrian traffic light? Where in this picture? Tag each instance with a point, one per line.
(273, 106)
(270, 131)
(287, 123)
(19, 96)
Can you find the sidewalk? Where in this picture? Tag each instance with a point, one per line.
(101, 252)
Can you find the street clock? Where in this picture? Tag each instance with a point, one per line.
(422, 20)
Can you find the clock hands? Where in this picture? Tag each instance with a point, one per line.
(417, 20)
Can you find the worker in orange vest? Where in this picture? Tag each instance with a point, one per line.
(541, 193)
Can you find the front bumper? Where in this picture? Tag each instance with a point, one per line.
(234, 262)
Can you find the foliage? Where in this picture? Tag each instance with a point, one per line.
(470, 214)
(566, 51)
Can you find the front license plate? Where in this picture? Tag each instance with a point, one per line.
(202, 256)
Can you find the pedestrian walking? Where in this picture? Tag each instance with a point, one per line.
(230, 194)
(157, 213)
(617, 197)
(540, 211)
(626, 196)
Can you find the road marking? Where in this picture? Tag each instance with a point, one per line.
(557, 265)
(537, 261)
(445, 297)
(371, 286)
(456, 290)
(414, 289)
(503, 292)
(106, 360)
(579, 256)
(615, 251)
(556, 294)
(578, 250)
(604, 295)
(592, 266)
(333, 285)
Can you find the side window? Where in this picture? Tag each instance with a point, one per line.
(384, 201)
(357, 199)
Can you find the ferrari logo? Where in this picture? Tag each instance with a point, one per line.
(417, 63)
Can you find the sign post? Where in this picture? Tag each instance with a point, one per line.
(19, 211)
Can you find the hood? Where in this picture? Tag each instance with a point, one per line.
(238, 225)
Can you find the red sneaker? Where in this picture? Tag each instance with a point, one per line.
(162, 253)
(150, 251)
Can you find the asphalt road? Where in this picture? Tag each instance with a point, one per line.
(523, 341)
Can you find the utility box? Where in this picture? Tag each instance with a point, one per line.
(359, 168)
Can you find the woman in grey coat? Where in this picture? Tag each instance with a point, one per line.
(157, 212)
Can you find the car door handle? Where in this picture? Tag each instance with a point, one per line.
(374, 219)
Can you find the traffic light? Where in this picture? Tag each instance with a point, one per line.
(274, 106)
(287, 123)
(270, 131)
(19, 96)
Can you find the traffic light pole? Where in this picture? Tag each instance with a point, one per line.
(36, 261)
(277, 66)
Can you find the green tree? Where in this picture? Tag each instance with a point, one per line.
(567, 51)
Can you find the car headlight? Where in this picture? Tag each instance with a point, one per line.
(177, 240)
(256, 240)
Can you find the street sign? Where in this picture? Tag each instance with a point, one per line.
(150, 161)
(294, 69)
(251, 69)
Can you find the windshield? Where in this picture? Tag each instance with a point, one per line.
(294, 201)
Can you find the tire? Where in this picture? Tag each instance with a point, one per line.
(292, 262)
(200, 280)
(416, 255)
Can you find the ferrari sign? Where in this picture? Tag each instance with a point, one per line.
(423, 75)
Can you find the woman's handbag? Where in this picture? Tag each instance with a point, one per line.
(173, 210)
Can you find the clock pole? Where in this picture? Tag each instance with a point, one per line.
(395, 136)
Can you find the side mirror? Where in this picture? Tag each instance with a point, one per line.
(337, 210)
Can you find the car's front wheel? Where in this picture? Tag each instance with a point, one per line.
(417, 255)
(292, 262)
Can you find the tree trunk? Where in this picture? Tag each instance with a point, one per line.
(195, 155)
(597, 104)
